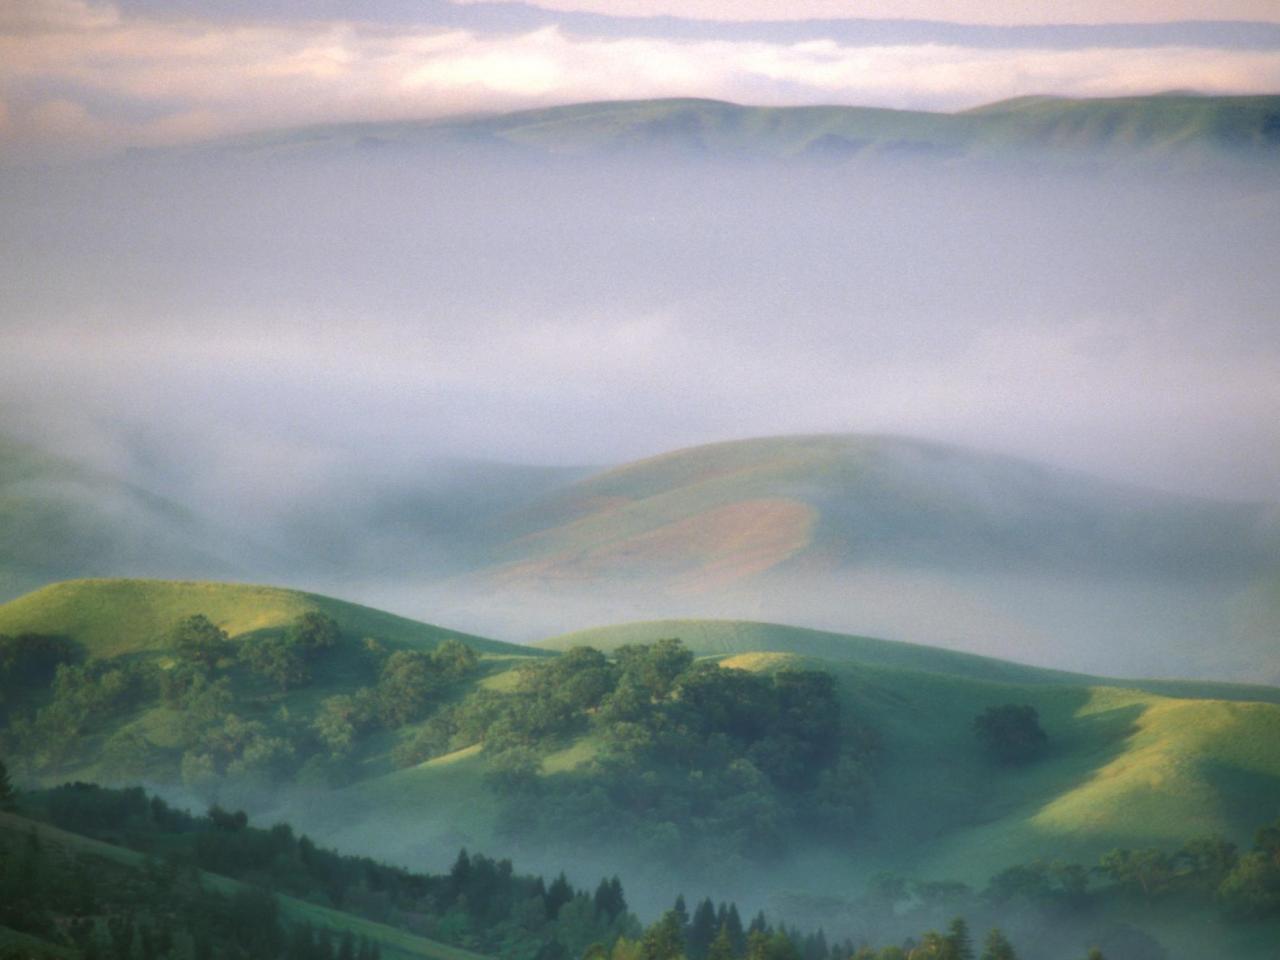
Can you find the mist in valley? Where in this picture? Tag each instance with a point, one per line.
(358, 362)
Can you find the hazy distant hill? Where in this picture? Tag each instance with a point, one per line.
(916, 541)
(59, 519)
(1171, 125)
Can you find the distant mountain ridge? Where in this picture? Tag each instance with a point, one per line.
(1174, 125)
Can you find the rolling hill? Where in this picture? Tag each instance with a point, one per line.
(1128, 767)
(111, 618)
(1129, 764)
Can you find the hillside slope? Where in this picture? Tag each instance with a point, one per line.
(1149, 765)
(1125, 768)
(394, 944)
(114, 617)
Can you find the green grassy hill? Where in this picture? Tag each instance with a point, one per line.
(1126, 767)
(115, 617)
(1163, 127)
(1128, 764)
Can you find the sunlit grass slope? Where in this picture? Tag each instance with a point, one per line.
(113, 617)
(1148, 764)
(1125, 767)
(395, 944)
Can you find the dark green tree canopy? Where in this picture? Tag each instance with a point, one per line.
(196, 639)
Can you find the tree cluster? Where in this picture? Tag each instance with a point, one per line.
(691, 756)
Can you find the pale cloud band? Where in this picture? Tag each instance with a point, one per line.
(999, 12)
(80, 74)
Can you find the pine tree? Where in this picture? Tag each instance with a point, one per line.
(722, 946)
(998, 947)
(959, 943)
(664, 940)
(736, 934)
(558, 895)
(702, 930)
(681, 910)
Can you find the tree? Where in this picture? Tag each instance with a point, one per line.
(313, 632)
(1252, 889)
(998, 947)
(197, 640)
(8, 796)
(722, 946)
(609, 900)
(278, 659)
(453, 660)
(702, 930)
(663, 940)
(1149, 871)
(959, 943)
(337, 724)
(407, 681)
(1011, 733)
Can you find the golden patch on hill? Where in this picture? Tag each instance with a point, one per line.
(706, 551)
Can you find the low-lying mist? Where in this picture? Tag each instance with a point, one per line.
(354, 361)
(233, 327)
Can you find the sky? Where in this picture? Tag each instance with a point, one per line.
(90, 76)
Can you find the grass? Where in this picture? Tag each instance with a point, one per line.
(112, 617)
(1125, 767)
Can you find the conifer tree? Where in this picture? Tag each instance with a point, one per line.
(736, 934)
(998, 947)
(702, 930)
(664, 940)
(722, 946)
(959, 943)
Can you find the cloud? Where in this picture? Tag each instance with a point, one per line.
(1001, 12)
(77, 74)
(46, 16)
